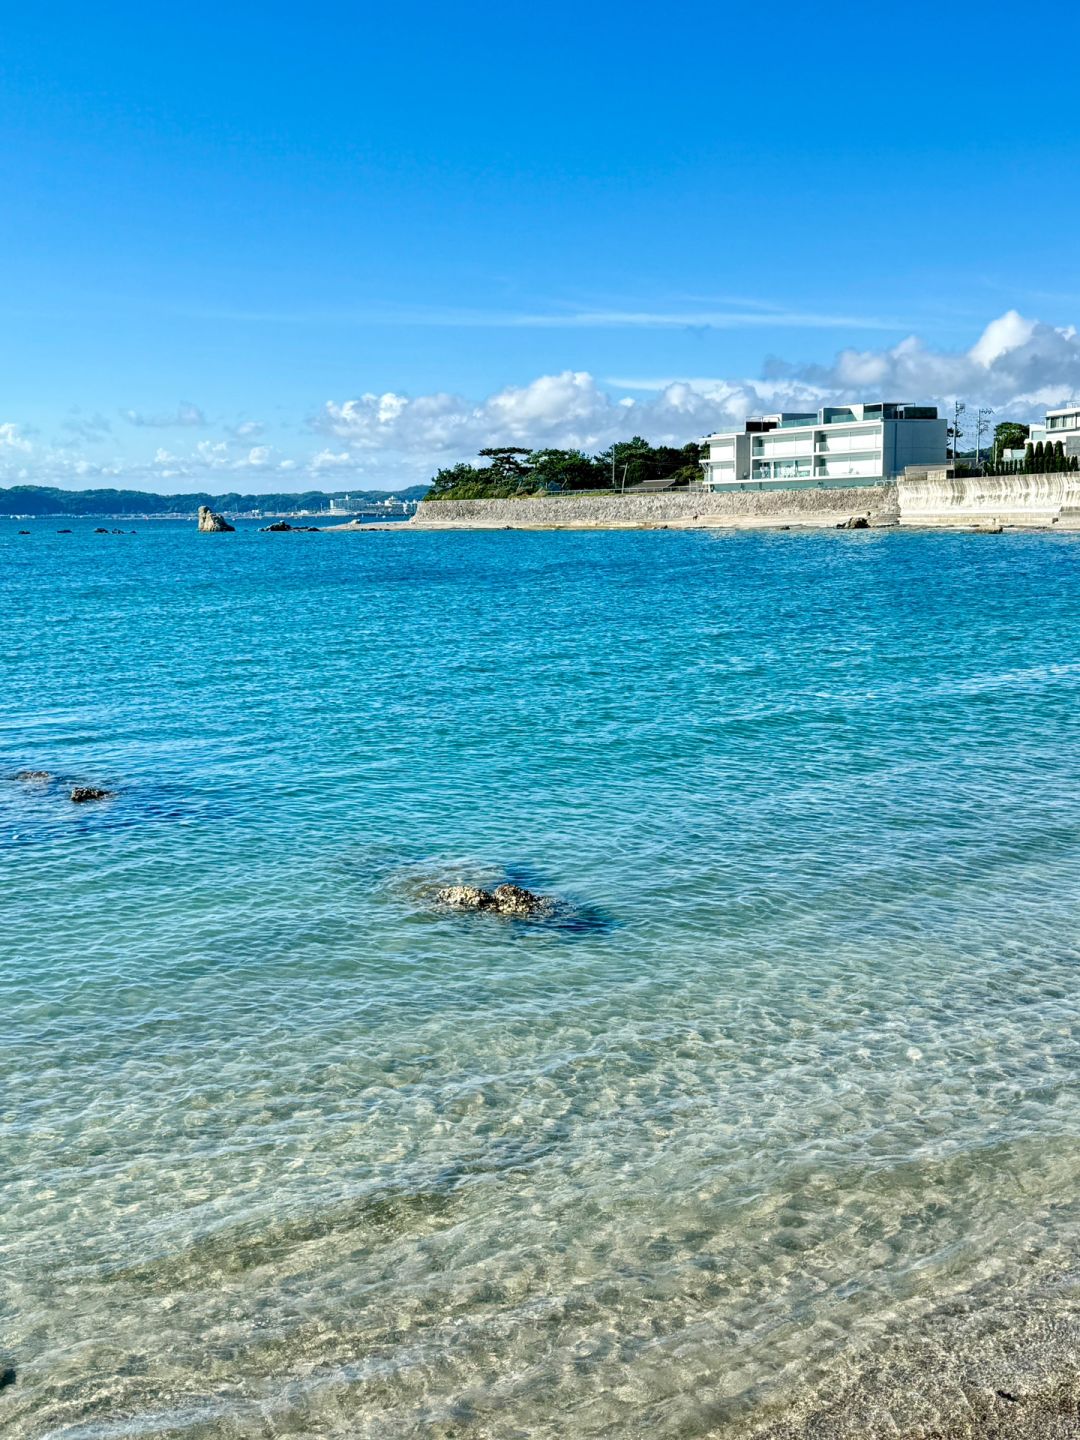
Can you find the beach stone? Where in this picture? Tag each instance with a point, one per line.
(209, 523)
(82, 793)
(514, 900)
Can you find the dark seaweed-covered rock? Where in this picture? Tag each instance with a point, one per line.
(511, 900)
(515, 900)
(82, 793)
(279, 526)
(465, 897)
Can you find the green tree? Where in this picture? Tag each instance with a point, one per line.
(1009, 435)
(505, 463)
(567, 470)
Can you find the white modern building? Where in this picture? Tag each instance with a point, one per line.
(1063, 425)
(837, 446)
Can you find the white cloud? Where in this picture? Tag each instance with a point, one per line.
(1017, 366)
(12, 439)
(86, 428)
(185, 416)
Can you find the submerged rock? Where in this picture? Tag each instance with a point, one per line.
(82, 793)
(465, 897)
(33, 777)
(209, 523)
(63, 532)
(100, 531)
(7, 1377)
(504, 899)
(24, 532)
(514, 900)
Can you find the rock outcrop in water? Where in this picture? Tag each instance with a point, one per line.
(511, 900)
(210, 524)
(84, 793)
(856, 522)
(33, 777)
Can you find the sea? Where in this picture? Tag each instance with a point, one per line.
(767, 1127)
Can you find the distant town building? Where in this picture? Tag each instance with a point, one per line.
(837, 446)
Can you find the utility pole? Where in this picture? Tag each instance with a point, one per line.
(980, 429)
(958, 409)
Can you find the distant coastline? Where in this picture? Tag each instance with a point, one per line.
(30, 502)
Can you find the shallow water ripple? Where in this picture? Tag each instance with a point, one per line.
(773, 1133)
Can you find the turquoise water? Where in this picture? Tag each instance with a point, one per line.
(789, 1088)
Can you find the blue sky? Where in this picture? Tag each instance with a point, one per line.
(262, 247)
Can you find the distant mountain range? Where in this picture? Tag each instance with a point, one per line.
(47, 500)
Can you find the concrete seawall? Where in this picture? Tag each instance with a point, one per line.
(732, 509)
(968, 502)
(1021, 500)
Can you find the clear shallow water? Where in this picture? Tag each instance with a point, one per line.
(287, 1153)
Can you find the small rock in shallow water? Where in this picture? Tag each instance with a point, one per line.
(278, 525)
(33, 777)
(7, 1377)
(857, 522)
(504, 899)
(100, 531)
(82, 793)
(514, 900)
(466, 897)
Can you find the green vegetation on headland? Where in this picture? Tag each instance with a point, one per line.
(48, 500)
(512, 470)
